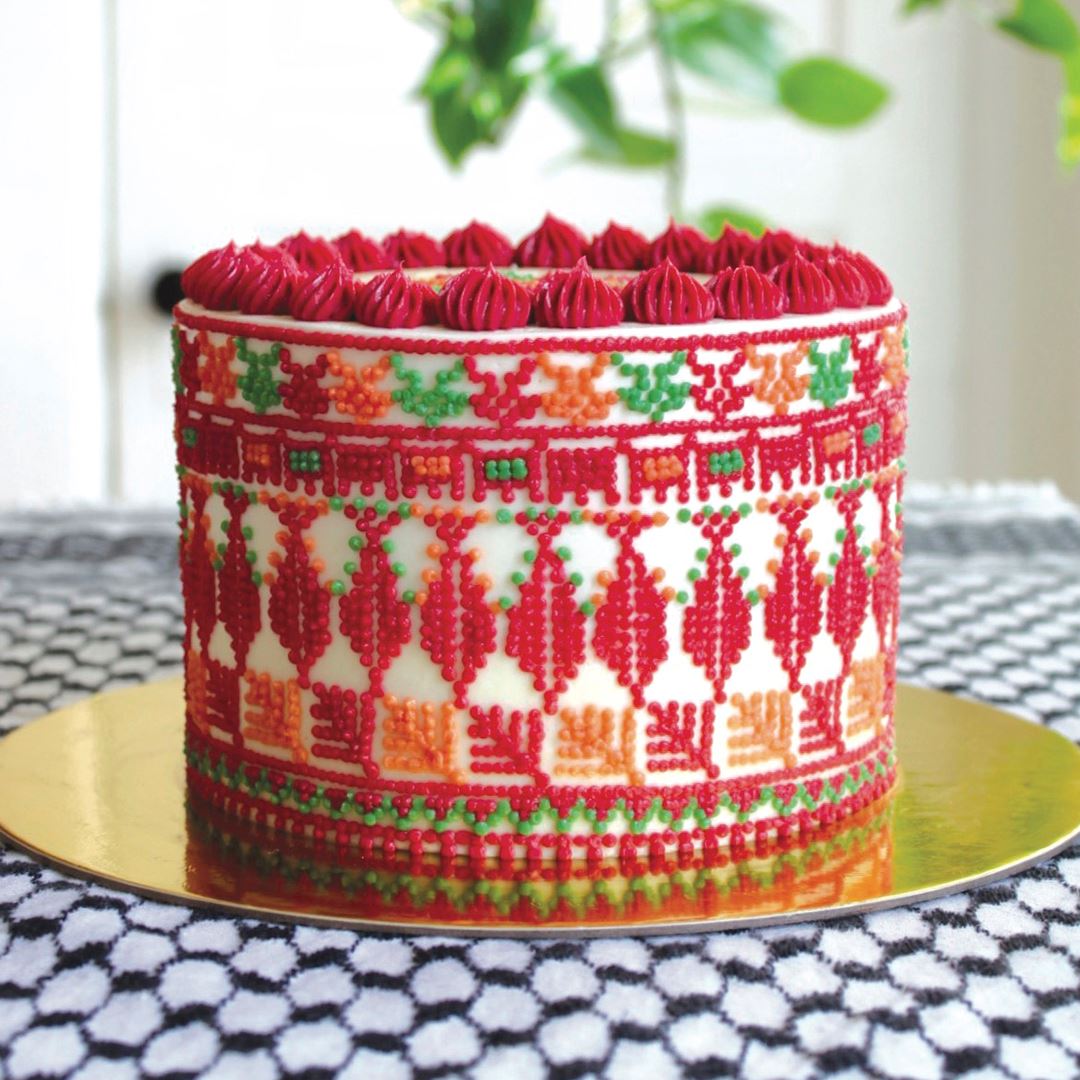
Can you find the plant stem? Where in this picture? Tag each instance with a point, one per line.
(675, 107)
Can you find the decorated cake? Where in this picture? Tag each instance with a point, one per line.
(569, 548)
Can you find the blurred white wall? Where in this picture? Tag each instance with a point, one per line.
(247, 119)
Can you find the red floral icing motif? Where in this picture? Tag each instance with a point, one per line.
(478, 245)
(846, 602)
(301, 392)
(885, 584)
(325, 295)
(745, 293)
(394, 300)
(716, 627)
(733, 248)
(310, 252)
(576, 298)
(505, 404)
(457, 628)
(299, 606)
(373, 616)
(619, 248)
(879, 287)
(212, 280)
(793, 604)
(362, 252)
(546, 628)
(666, 295)
(808, 290)
(848, 282)
(196, 569)
(413, 249)
(267, 279)
(507, 743)
(630, 624)
(773, 248)
(484, 299)
(238, 596)
(554, 243)
(684, 245)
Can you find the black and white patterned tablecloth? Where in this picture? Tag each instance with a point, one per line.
(98, 983)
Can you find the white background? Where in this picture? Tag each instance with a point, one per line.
(134, 135)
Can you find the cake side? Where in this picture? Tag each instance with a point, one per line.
(541, 591)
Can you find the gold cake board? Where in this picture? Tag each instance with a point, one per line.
(97, 789)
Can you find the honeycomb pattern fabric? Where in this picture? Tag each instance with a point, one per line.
(98, 983)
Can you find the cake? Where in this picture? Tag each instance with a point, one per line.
(570, 548)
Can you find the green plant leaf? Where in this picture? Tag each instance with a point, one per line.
(455, 126)
(713, 219)
(732, 43)
(582, 94)
(1069, 142)
(1043, 24)
(912, 6)
(450, 68)
(824, 91)
(501, 30)
(631, 148)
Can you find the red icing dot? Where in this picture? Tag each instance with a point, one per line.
(414, 249)
(664, 294)
(808, 290)
(268, 276)
(484, 299)
(847, 280)
(310, 252)
(212, 279)
(394, 300)
(576, 298)
(478, 245)
(733, 248)
(554, 243)
(684, 245)
(362, 252)
(742, 292)
(324, 295)
(619, 248)
(773, 248)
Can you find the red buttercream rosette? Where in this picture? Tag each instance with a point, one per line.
(847, 280)
(808, 290)
(478, 245)
(619, 248)
(414, 249)
(576, 298)
(310, 252)
(554, 243)
(325, 295)
(664, 294)
(394, 300)
(684, 245)
(733, 248)
(742, 292)
(268, 277)
(484, 299)
(212, 279)
(772, 248)
(362, 252)
(879, 287)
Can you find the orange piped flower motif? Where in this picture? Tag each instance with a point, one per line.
(762, 729)
(195, 688)
(893, 356)
(274, 716)
(575, 397)
(216, 375)
(836, 442)
(421, 737)
(593, 744)
(866, 696)
(358, 395)
(779, 385)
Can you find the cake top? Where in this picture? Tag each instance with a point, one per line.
(476, 279)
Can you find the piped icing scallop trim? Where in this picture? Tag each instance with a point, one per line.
(810, 277)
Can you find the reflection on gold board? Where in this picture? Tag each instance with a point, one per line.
(97, 789)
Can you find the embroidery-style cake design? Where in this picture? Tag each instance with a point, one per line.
(565, 550)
